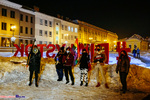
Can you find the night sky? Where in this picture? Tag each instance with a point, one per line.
(119, 16)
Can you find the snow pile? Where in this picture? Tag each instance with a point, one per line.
(15, 81)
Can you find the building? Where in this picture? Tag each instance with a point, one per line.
(136, 41)
(112, 39)
(22, 20)
(65, 31)
(43, 28)
(92, 34)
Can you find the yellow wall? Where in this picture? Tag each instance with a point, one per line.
(142, 45)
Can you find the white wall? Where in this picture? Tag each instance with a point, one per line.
(44, 28)
(68, 33)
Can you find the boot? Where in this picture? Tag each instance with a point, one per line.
(36, 85)
(98, 84)
(67, 82)
(30, 83)
(72, 83)
(86, 84)
(106, 86)
(81, 83)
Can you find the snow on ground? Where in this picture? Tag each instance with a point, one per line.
(135, 61)
(14, 81)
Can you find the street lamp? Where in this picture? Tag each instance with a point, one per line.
(13, 38)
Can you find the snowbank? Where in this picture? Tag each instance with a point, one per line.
(14, 80)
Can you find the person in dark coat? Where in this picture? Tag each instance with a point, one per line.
(59, 65)
(68, 63)
(84, 60)
(123, 66)
(33, 62)
(134, 53)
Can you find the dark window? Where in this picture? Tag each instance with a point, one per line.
(50, 42)
(129, 46)
(21, 17)
(4, 12)
(50, 34)
(45, 22)
(26, 18)
(12, 14)
(26, 30)
(50, 24)
(31, 19)
(4, 26)
(40, 33)
(31, 31)
(46, 33)
(40, 42)
(26, 42)
(21, 29)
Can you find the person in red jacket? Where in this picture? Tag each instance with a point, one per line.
(68, 63)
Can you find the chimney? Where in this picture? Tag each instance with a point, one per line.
(36, 8)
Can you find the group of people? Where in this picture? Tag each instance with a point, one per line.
(64, 65)
(136, 52)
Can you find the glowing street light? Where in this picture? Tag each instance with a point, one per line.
(90, 38)
(13, 38)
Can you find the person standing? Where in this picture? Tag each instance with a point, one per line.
(68, 63)
(123, 66)
(59, 65)
(99, 62)
(134, 53)
(138, 53)
(33, 62)
(84, 60)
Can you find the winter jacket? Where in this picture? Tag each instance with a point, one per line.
(123, 65)
(68, 59)
(138, 51)
(34, 61)
(59, 65)
(99, 57)
(60, 56)
(84, 60)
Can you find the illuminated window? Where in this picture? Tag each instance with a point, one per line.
(71, 29)
(68, 28)
(76, 30)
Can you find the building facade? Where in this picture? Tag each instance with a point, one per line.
(43, 28)
(65, 32)
(136, 41)
(12, 14)
(88, 34)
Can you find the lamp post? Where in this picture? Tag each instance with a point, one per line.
(13, 38)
